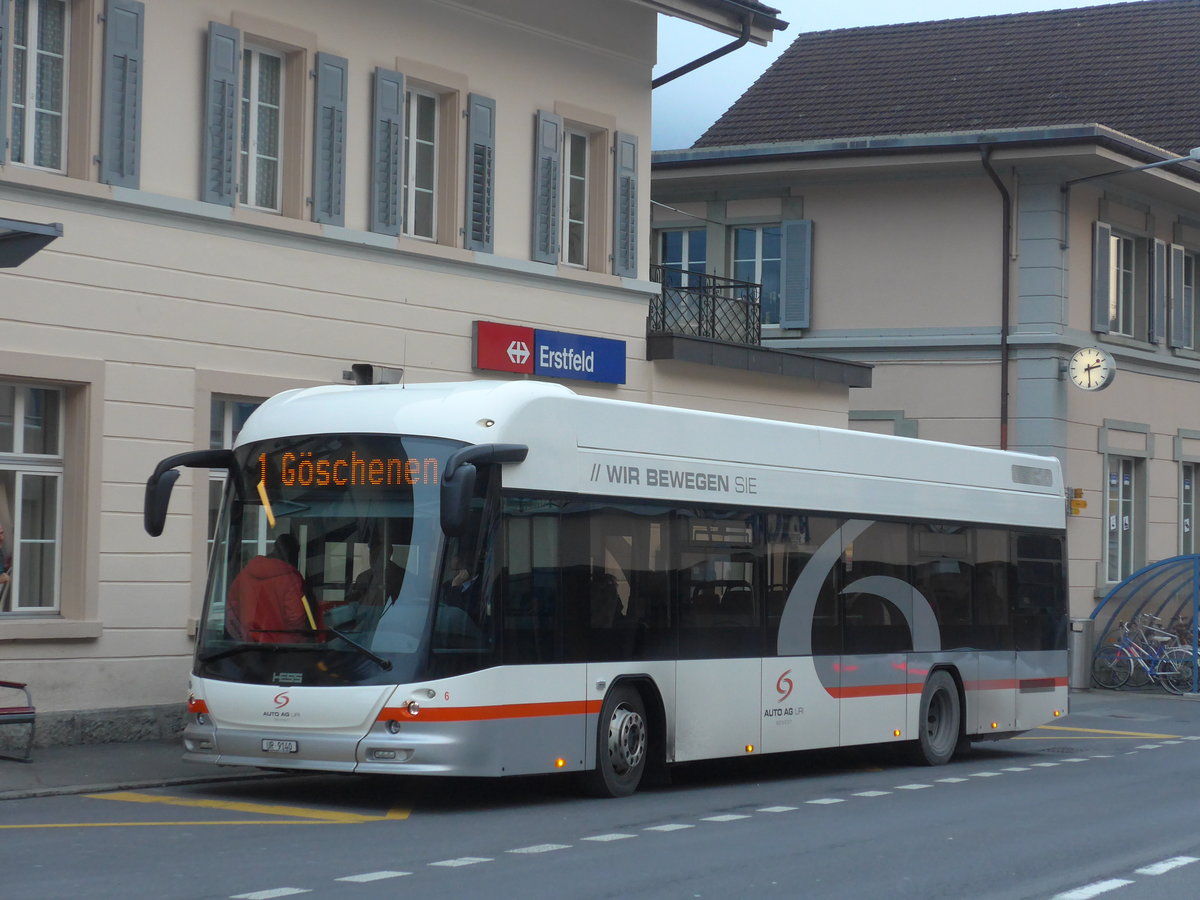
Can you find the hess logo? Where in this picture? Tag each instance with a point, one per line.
(282, 699)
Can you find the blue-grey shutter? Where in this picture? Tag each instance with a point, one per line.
(1101, 278)
(1180, 334)
(625, 206)
(795, 275)
(481, 172)
(3, 81)
(329, 140)
(547, 184)
(121, 92)
(1158, 293)
(387, 152)
(221, 98)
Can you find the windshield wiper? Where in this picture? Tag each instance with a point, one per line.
(385, 664)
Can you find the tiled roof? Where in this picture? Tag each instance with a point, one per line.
(1134, 67)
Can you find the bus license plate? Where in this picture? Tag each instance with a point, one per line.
(272, 746)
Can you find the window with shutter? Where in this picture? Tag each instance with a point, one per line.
(121, 93)
(387, 151)
(481, 172)
(625, 206)
(329, 140)
(1122, 287)
(547, 187)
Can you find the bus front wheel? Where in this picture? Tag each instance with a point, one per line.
(940, 721)
(622, 744)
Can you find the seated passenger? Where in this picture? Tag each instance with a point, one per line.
(266, 602)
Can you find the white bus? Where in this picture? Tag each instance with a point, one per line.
(506, 578)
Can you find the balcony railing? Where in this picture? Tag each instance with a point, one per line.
(699, 305)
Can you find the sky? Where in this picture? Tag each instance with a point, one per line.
(684, 108)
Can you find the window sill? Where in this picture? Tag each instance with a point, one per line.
(26, 176)
(47, 628)
(1122, 340)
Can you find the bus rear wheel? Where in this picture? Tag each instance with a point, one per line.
(940, 721)
(622, 745)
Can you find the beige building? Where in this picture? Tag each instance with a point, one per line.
(228, 199)
(966, 205)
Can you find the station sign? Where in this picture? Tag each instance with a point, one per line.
(553, 354)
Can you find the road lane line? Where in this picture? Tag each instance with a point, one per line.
(162, 824)
(608, 837)
(1166, 865)
(672, 826)
(777, 809)
(271, 894)
(462, 861)
(1093, 890)
(733, 817)
(540, 848)
(1142, 735)
(266, 809)
(367, 877)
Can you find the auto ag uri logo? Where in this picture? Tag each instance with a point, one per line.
(784, 685)
(282, 699)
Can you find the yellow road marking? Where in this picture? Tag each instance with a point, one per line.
(159, 824)
(1102, 733)
(291, 812)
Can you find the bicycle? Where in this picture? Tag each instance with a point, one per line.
(1149, 651)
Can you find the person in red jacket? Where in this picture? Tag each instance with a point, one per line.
(266, 602)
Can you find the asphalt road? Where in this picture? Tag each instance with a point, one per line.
(1100, 805)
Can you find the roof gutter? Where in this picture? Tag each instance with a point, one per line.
(744, 39)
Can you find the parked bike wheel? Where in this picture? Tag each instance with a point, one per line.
(1175, 670)
(1111, 667)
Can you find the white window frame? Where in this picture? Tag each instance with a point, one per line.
(685, 261)
(412, 100)
(1123, 477)
(25, 466)
(249, 142)
(1127, 284)
(26, 153)
(758, 260)
(575, 141)
(1187, 506)
(1187, 301)
(224, 407)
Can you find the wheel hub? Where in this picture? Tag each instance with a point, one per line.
(626, 739)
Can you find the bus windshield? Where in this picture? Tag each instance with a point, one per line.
(325, 558)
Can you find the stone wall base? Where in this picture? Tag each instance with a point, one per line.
(99, 726)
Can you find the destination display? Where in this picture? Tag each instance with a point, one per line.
(307, 469)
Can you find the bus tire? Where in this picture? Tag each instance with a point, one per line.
(939, 727)
(622, 745)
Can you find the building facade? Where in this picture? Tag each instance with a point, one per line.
(965, 205)
(239, 198)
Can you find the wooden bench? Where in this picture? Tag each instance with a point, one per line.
(18, 715)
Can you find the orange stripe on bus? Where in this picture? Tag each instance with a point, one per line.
(486, 713)
(873, 690)
(998, 684)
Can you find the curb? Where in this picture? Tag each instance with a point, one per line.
(69, 789)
